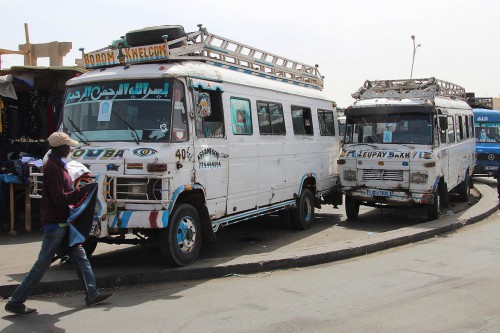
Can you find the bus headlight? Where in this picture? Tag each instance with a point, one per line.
(350, 175)
(418, 178)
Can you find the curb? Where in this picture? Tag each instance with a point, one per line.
(287, 259)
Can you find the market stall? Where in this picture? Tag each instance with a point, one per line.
(31, 99)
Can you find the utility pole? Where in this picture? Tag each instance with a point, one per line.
(414, 51)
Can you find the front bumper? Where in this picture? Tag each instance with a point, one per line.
(389, 197)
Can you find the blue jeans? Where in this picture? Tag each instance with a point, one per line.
(53, 240)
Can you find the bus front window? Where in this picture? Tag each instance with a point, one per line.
(393, 128)
(128, 110)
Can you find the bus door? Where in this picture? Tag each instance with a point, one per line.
(455, 161)
(243, 155)
(210, 144)
(444, 125)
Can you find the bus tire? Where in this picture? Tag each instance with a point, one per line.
(154, 35)
(351, 207)
(463, 189)
(303, 215)
(180, 243)
(433, 208)
(89, 246)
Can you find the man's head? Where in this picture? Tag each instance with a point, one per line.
(61, 143)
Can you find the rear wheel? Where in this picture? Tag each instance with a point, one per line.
(351, 207)
(303, 215)
(463, 189)
(433, 208)
(180, 243)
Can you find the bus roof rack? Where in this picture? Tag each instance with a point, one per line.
(480, 102)
(213, 49)
(409, 88)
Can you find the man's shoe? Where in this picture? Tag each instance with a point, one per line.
(98, 299)
(18, 309)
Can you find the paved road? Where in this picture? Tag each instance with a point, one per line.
(449, 283)
(254, 246)
(266, 234)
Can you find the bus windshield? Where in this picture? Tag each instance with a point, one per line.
(487, 132)
(125, 110)
(392, 128)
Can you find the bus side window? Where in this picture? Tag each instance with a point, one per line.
(459, 128)
(211, 126)
(451, 130)
(241, 116)
(302, 120)
(471, 126)
(442, 130)
(270, 117)
(467, 128)
(327, 122)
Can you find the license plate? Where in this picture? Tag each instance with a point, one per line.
(491, 167)
(379, 193)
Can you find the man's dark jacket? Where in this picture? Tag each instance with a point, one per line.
(57, 192)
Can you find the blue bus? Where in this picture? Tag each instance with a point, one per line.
(487, 125)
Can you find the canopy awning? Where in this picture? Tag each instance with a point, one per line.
(6, 87)
(40, 77)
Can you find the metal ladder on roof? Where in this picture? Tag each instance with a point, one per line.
(428, 87)
(223, 52)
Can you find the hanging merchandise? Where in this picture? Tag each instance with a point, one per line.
(3, 119)
(50, 120)
(21, 124)
(33, 116)
(43, 108)
(12, 119)
(1, 113)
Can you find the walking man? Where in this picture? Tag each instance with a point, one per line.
(58, 193)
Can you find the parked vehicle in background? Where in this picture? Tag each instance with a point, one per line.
(405, 140)
(487, 124)
(197, 132)
(342, 125)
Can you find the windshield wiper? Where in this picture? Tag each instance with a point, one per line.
(132, 130)
(78, 130)
(364, 144)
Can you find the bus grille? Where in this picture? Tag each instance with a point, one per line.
(134, 189)
(488, 157)
(382, 175)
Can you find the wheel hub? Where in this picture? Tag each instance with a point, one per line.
(186, 235)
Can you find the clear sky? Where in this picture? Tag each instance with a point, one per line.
(352, 41)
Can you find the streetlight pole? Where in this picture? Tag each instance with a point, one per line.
(414, 51)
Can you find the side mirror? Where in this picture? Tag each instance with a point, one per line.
(443, 122)
(203, 107)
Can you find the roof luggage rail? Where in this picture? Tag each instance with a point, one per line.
(480, 102)
(429, 87)
(213, 49)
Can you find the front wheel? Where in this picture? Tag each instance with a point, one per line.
(463, 190)
(351, 207)
(303, 215)
(180, 243)
(433, 208)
